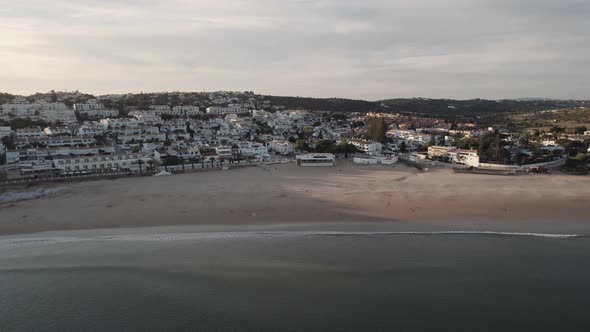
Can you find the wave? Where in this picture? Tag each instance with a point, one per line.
(11, 197)
(166, 237)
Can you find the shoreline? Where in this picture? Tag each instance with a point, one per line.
(285, 194)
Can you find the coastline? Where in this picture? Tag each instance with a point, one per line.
(290, 195)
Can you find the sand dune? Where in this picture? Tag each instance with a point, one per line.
(290, 194)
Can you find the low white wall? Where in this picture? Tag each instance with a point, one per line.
(374, 161)
(545, 164)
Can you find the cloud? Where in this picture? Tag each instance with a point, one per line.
(361, 49)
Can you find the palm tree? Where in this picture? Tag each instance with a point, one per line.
(212, 159)
(150, 164)
(140, 162)
(235, 151)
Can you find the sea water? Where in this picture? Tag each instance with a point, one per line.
(296, 281)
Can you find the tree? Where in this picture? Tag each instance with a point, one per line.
(192, 160)
(432, 140)
(212, 160)
(172, 161)
(346, 147)
(8, 143)
(580, 130)
(402, 147)
(308, 131)
(301, 145)
(325, 146)
(140, 162)
(292, 140)
(377, 129)
(20, 123)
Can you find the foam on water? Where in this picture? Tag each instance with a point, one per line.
(11, 197)
(165, 237)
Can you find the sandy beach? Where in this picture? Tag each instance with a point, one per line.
(287, 194)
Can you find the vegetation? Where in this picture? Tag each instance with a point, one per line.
(172, 161)
(579, 165)
(301, 145)
(329, 146)
(6, 98)
(20, 123)
(376, 129)
(324, 104)
(8, 143)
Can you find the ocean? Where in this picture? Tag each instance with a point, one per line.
(295, 281)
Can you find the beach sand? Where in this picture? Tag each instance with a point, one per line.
(287, 194)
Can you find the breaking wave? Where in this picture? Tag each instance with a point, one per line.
(11, 197)
(165, 237)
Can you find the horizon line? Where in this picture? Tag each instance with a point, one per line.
(298, 96)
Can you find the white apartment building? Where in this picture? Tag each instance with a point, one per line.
(126, 138)
(160, 108)
(23, 156)
(216, 110)
(224, 152)
(136, 130)
(368, 147)
(464, 157)
(102, 163)
(54, 116)
(252, 149)
(30, 108)
(120, 123)
(439, 151)
(26, 155)
(146, 116)
(91, 129)
(50, 112)
(59, 131)
(187, 110)
(283, 147)
(5, 132)
(90, 105)
(30, 132)
(100, 113)
(93, 108)
(55, 141)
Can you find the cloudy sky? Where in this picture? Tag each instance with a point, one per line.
(368, 49)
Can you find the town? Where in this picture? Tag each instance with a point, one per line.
(73, 135)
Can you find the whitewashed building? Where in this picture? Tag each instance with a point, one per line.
(368, 147)
(283, 147)
(102, 163)
(316, 160)
(30, 132)
(5, 132)
(217, 110)
(464, 157)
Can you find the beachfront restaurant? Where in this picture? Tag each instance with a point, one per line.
(316, 160)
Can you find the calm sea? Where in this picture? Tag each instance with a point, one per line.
(295, 281)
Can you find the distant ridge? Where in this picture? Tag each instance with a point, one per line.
(535, 99)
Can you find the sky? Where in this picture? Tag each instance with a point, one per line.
(365, 49)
